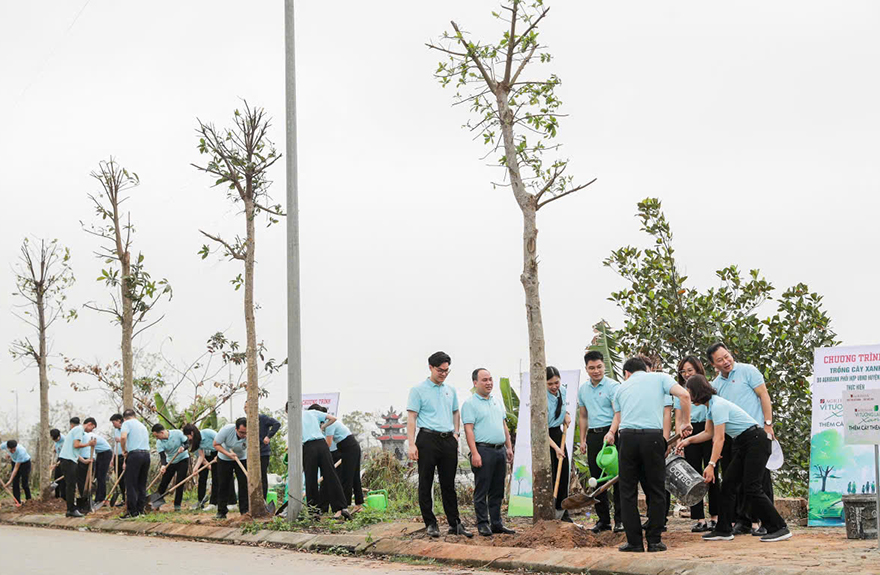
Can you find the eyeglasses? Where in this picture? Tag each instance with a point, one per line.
(441, 370)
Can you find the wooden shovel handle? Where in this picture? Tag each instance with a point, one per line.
(559, 465)
(672, 440)
(337, 464)
(194, 473)
(112, 489)
(14, 500)
(237, 460)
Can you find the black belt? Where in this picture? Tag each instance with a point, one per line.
(490, 445)
(442, 434)
(640, 431)
(752, 428)
(138, 450)
(602, 430)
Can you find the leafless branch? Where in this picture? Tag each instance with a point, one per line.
(233, 253)
(562, 195)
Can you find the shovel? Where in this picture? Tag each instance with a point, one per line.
(157, 501)
(284, 505)
(559, 512)
(14, 500)
(55, 482)
(87, 495)
(113, 492)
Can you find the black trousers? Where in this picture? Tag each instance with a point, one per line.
(743, 513)
(61, 488)
(699, 455)
(179, 469)
(22, 479)
(489, 485)
(746, 469)
(120, 462)
(556, 435)
(641, 460)
(137, 469)
(103, 461)
(82, 470)
(440, 453)
(227, 472)
(215, 483)
(264, 473)
(595, 440)
(68, 469)
(315, 456)
(349, 471)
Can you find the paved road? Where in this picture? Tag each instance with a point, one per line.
(37, 551)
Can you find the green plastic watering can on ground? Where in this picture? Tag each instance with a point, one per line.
(607, 462)
(377, 500)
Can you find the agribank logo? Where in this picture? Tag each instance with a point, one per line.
(869, 414)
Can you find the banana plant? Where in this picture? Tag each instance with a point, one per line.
(511, 404)
(605, 342)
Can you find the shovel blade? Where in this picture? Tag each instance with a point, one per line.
(271, 508)
(578, 501)
(281, 509)
(156, 501)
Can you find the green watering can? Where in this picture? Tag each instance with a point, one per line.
(607, 462)
(377, 500)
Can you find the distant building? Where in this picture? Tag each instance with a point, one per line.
(392, 434)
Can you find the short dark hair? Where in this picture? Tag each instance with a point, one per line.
(649, 363)
(634, 364)
(552, 372)
(128, 414)
(476, 374)
(74, 420)
(11, 444)
(316, 407)
(713, 348)
(241, 421)
(188, 429)
(116, 417)
(694, 361)
(593, 356)
(55, 434)
(157, 428)
(90, 420)
(699, 389)
(438, 358)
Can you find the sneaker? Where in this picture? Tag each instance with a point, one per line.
(742, 529)
(780, 535)
(220, 516)
(759, 532)
(716, 536)
(656, 547)
(700, 527)
(177, 507)
(600, 527)
(210, 507)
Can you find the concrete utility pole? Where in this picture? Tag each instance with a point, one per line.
(294, 357)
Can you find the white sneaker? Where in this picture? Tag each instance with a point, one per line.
(210, 507)
(233, 507)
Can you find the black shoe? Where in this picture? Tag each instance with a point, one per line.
(759, 532)
(432, 530)
(484, 530)
(619, 528)
(627, 548)
(460, 530)
(566, 517)
(127, 515)
(74, 513)
(716, 536)
(220, 516)
(711, 524)
(502, 530)
(346, 514)
(780, 535)
(600, 527)
(655, 547)
(742, 529)
(700, 527)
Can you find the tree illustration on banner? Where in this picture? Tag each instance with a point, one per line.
(828, 453)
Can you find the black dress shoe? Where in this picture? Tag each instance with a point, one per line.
(566, 517)
(627, 548)
(432, 530)
(501, 529)
(600, 527)
(619, 528)
(655, 547)
(742, 529)
(700, 527)
(711, 525)
(460, 530)
(484, 530)
(760, 531)
(74, 513)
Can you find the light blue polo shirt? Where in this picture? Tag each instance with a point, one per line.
(136, 435)
(102, 444)
(739, 388)
(86, 452)
(338, 431)
(487, 416)
(117, 434)
(641, 398)
(175, 441)
(207, 442)
(68, 452)
(20, 456)
(229, 439)
(58, 445)
(551, 409)
(698, 412)
(311, 424)
(596, 399)
(434, 405)
(734, 418)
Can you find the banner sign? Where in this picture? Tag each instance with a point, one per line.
(837, 468)
(861, 417)
(328, 400)
(521, 485)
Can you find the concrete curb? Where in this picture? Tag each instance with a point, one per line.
(591, 561)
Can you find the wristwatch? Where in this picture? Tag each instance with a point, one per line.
(767, 422)
(712, 463)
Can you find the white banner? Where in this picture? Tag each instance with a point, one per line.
(861, 417)
(521, 486)
(328, 400)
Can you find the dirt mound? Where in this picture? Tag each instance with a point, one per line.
(35, 506)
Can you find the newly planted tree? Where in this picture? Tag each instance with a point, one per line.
(42, 276)
(134, 293)
(239, 159)
(516, 114)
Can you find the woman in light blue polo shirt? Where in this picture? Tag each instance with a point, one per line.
(557, 416)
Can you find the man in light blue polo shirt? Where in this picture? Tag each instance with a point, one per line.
(433, 407)
(74, 441)
(231, 445)
(135, 441)
(344, 446)
(638, 406)
(21, 470)
(171, 445)
(488, 438)
(103, 460)
(595, 414)
(116, 422)
(743, 385)
(58, 440)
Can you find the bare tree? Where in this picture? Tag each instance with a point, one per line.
(240, 158)
(518, 116)
(42, 276)
(134, 293)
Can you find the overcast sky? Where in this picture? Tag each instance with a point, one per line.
(755, 123)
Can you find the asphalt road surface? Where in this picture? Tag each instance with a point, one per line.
(37, 551)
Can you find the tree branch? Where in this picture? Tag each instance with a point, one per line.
(233, 253)
(562, 195)
(489, 81)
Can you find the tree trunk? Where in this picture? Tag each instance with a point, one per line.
(255, 484)
(127, 328)
(542, 484)
(43, 448)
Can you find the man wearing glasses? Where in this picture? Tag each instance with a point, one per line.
(433, 407)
